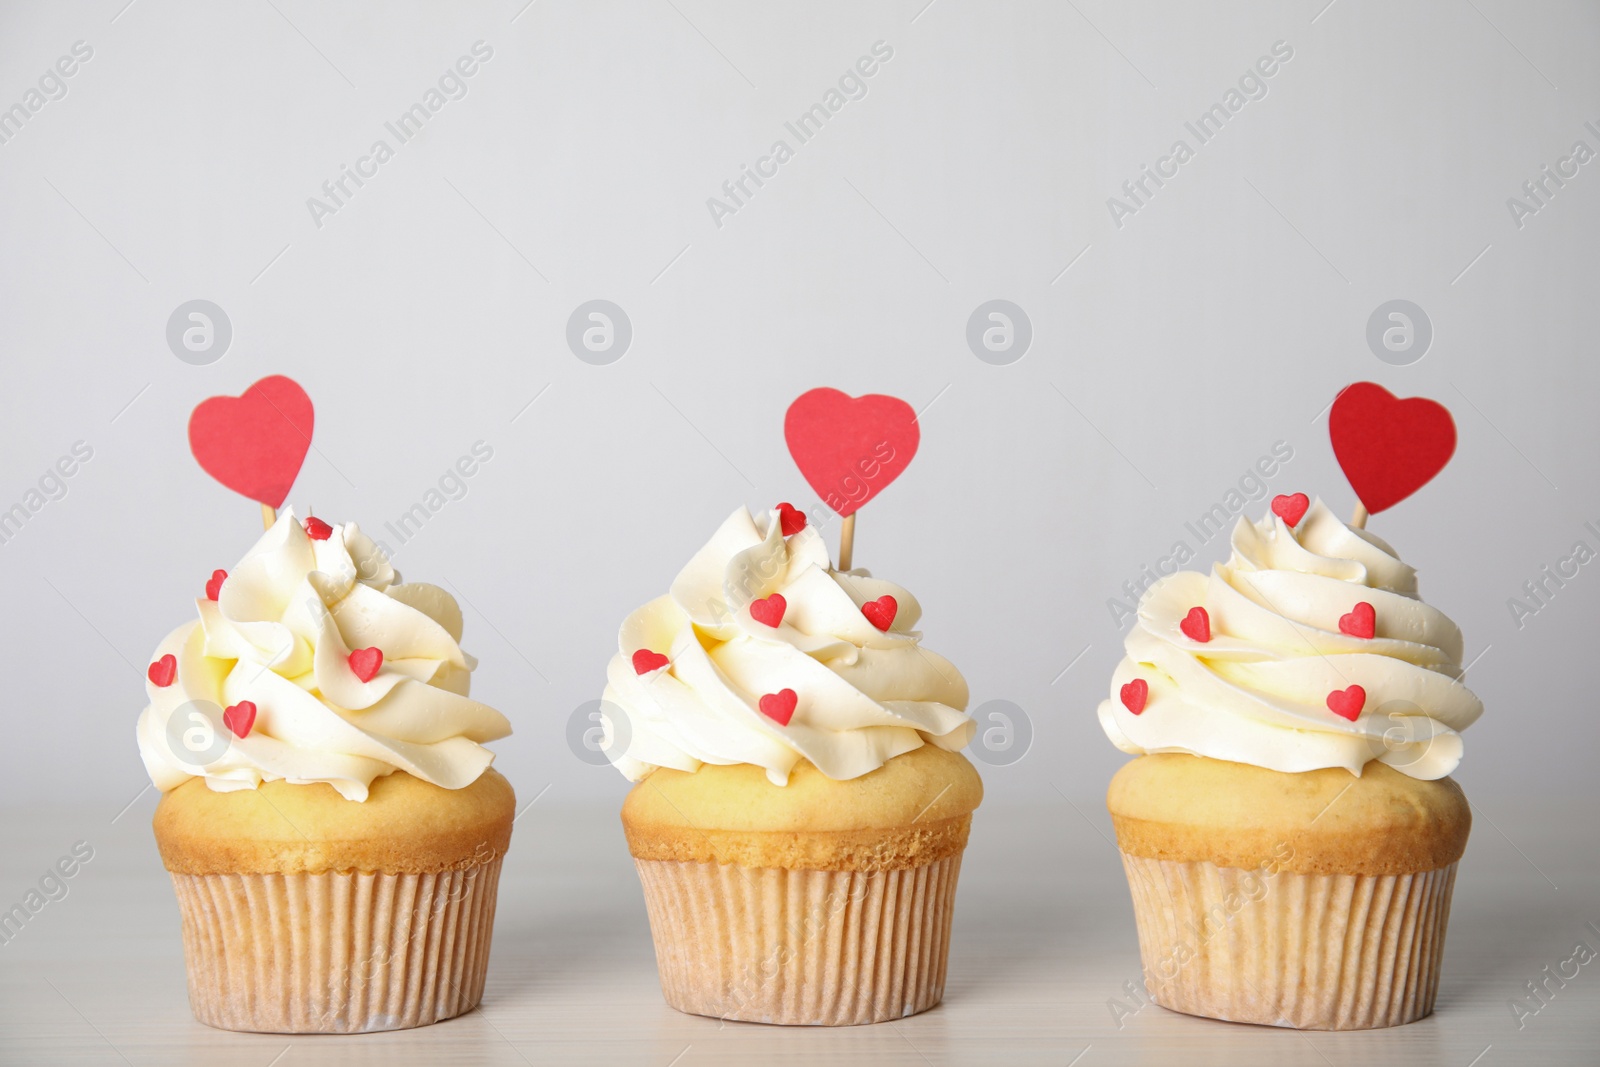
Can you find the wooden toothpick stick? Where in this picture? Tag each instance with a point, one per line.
(847, 541)
(269, 515)
(1359, 519)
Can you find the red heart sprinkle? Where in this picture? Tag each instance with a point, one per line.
(645, 661)
(239, 718)
(881, 612)
(769, 610)
(163, 670)
(365, 663)
(1196, 625)
(779, 706)
(317, 530)
(1347, 703)
(1291, 509)
(214, 586)
(791, 520)
(1134, 695)
(1361, 622)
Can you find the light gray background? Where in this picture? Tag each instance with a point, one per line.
(430, 310)
(1168, 355)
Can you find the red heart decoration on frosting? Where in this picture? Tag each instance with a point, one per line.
(850, 448)
(214, 586)
(163, 670)
(1291, 509)
(791, 520)
(317, 530)
(645, 661)
(1347, 703)
(1389, 448)
(769, 610)
(254, 443)
(239, 718)
(1135, 694)
(881, 612)
(365, 663)
(1362, 621)
(1196, 625)
(779, 706)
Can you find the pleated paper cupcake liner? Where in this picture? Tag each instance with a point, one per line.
(800, 947)
(336, 953)
(1313, 952)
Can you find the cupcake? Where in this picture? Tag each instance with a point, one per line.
(1289, 831)
(328, 814)
(802, 804)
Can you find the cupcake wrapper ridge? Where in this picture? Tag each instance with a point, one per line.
(1309, 951)
(336, 952)
(800, 947)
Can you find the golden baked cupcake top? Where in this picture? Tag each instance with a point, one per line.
(404, 826)
(764, 654)
(1308, 649)
(915, 809)
(1179, 808)
(310, 663)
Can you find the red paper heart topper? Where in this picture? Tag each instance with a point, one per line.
(1389, 448)
(850, 448)
(254, 443)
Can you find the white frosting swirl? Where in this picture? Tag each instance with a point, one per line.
(1257, 691)
(280, 635)
(863, 695)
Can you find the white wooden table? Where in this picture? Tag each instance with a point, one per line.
(1043, 941)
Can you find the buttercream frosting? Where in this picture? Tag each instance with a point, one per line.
(1257, 691)
(279, 635)
(863, 695)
